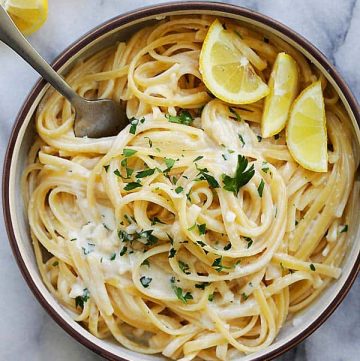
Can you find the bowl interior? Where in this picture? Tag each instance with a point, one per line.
(23, 138)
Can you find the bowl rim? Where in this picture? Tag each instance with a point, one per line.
(104, 28)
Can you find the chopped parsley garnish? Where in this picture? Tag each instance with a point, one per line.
(192, 227)
(242, 176)
(261, 188)
(241, 140)
(259, 138)
(217, 264)
(145, 173)
(150, 141)
(80, 300)
(73, 239)
(312, 267)
(198, 158)
(155, 220)
(296, 222)
(172, 253)
(201, 228)
(113, 256)
(123, 251)
(225, 156)
(227, 247)
(146, 263)
(204, 175)
(211, 297)
(276, 136)
(132, 185)
(117, 172)
(129, 152)
(244, 296)
(148, 236)
(237, 115)
(106, 167)
(184, 267)
(184, 297)
(56, 263)
(345, 229)
(134, 123)
(249, 241)
(184, 117)
(145, 281)
(202, 285)
(169, 164)
(179, 190)
(89, 249)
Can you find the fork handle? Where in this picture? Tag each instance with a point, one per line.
(11, 36)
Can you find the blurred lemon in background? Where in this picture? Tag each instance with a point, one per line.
(28, 15)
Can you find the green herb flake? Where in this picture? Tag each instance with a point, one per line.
(344, 229)
(155, 220)
(198, 158)
(276, 136)
(123, 251)
(117, 172)
(184, 117)
(201, 228)
(129, 152)
(204, 175)
(261, 188)
(312, 267)
(145, 281)
(179, 190)
(146, 263)
(259, 138)
(242, 176)
(56, 263)
(145, 173)
(249, 241)
(106, 167)
(73, 239)
(172, 253)
(235, 113)
(183, 297)
(192, 227)
(132, 185)
(169, 164)
(241, 140)
(134, 122)
(202, 285)
(211, 297)
(225, 156)
(184, 267)
(244, 296)
(113, 256)
(217, 264)
(150, 141)
(227, 247)
(80, 300)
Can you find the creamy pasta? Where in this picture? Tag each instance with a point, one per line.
(187, 234)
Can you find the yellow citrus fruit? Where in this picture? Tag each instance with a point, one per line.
(226, 72)
(28, 15)
(306, 134)
(283, 85)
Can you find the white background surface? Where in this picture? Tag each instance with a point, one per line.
(26, 331)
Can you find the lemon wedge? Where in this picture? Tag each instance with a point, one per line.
(306, 134)
(28, 15)
(283, 85)
(226, 72)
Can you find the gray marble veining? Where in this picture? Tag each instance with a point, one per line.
(26, 331)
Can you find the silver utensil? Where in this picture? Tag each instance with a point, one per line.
(93, 118)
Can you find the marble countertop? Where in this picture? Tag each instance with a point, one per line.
(26, 330)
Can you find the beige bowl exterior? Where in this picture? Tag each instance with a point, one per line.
(120, 28)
